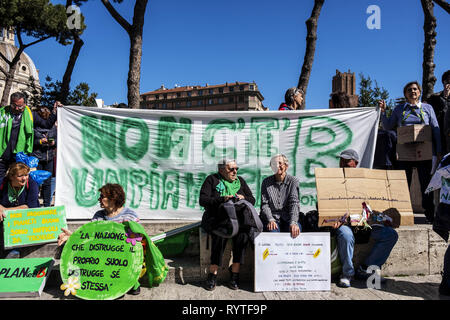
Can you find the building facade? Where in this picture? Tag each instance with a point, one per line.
(236, 96)
(345, 82)
(25, 67)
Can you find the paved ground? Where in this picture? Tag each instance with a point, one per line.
(395, 288)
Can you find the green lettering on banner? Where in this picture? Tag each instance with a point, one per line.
(212, 153)
(83, 197)
(155, 180)
(171, 189)
(334, 135)
(98, 137)
(173, 139)
(192, 186)
(137, 151)
(261, 137)
(138, 180)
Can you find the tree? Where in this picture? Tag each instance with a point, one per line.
(51, 91)
(135, 32)
(311, 38)
(429, 28)
(38, 19)
(369, 96)
(443, 4)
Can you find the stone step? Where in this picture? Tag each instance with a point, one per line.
(419, 251)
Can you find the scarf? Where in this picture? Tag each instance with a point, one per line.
(226, 188)
(13, 195)
(25, 137)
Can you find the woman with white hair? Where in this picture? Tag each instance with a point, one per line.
(217, 189)
(280, 204)
(293, 99)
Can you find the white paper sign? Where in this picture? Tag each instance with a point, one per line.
(286, 264)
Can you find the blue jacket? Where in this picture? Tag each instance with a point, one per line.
(29, 196)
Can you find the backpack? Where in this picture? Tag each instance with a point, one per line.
(224, 223)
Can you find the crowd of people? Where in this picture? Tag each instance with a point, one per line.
(225, 196)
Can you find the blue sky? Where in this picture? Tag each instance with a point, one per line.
(209, 41)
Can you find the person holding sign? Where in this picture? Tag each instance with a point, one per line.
(280, 204)
(112, 200)
(17, 191)
(410, 113)
(217, 190)
(385, 238)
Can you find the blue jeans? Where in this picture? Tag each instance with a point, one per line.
(385, 239)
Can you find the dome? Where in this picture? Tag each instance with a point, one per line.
(25, 67)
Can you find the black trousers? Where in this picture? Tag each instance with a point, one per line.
(424, 172)
(46, 187)
(239, 243)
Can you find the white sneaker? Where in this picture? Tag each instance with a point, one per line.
(344, 282)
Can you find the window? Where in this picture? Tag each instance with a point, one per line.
(164, 105)
(231, 99)
(220, 100)
(211, 91)
(252, 87)
(165, 95)
(189, 93)
(220, 90)
(200, 92)
(188, 104)
(231, 89)
(210, 101)
(178, 94)
(156, 105)
(241, 99)
(156, 96)
(241, 88)
(200, 102)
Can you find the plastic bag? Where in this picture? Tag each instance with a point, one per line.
(39, 176)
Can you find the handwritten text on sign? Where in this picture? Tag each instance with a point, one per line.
(101, 260)
(28, 227)
(286, 264)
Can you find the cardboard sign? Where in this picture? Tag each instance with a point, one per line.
(415, 151)
(29, 227)
(101, 261)
(342, 191)
(286, 264)
(414, 133)
(24, 277)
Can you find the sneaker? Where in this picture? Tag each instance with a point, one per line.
(344, 282)
(211, 282)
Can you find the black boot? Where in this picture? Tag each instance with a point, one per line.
(211, 282)
(234, 280)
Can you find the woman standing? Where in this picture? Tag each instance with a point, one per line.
(410, 113)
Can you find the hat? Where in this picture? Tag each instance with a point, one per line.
(349, 154)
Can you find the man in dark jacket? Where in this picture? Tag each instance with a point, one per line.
(44, 150)
(216, 190)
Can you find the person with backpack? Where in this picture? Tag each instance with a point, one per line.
(280, 204)
(17, 191)
(218, 190)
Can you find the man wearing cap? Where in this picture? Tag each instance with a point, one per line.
(293, 99)
(280, 204)
(385, 238)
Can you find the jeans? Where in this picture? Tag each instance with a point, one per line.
(47, 184)
(385, 239)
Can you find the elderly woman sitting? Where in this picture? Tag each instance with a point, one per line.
(218, 189)
(17, 192)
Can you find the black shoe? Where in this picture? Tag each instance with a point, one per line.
(211, 282)
(444, 289)
(135, 292)
(234, 280)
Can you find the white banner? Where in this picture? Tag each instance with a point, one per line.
(283, 263)
(161, 158)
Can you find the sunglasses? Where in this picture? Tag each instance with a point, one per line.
(233, 169)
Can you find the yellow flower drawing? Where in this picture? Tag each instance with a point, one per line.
(73, 283)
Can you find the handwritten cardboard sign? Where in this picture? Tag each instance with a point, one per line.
(101, 261)
(29, 227)
(24, 277)
(342, 191)
(283, 263)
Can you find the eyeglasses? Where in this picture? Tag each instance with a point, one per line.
(233, 169)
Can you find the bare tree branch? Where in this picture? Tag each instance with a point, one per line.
(113, 12)
(443, 4)
(311, 37)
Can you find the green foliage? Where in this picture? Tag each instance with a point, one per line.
(35, 18)
(80, 96)
(369, 96)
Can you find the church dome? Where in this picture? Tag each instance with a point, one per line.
(25, 67)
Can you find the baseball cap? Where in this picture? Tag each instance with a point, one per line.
(349, 154)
